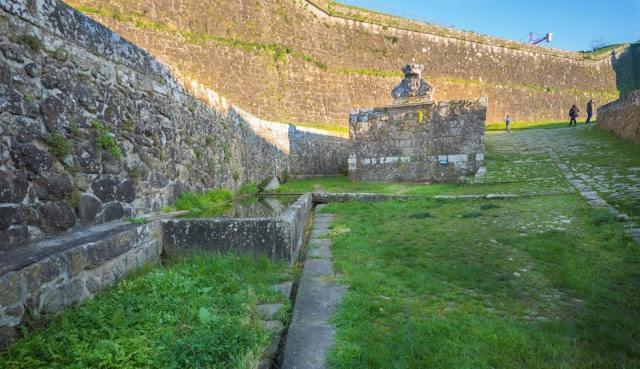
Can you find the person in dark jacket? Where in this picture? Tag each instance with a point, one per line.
(573, 114)
(589, 111)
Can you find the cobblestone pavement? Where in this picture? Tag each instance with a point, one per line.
(591, 159)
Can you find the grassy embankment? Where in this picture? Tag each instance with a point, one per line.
(196, 313)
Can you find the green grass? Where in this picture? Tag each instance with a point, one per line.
(500, 126)
(59, 145)
(342, 184)
(106, 140)
(197, 313)
(341, 129)
(534, 283)
(206, 204)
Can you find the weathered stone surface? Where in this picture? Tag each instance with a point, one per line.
(33, 158)
(113, 211)
(56, 299)
(427, 142)
(126, 191)
(56, 217)
(269, 311)
(412, 88)
(622, 117)
(273, 184)
(88, 208)
(105, 189)
(311, 335)
(52, 110)
(52, 186)
(532, 83)
(7, 215)
(15, 235)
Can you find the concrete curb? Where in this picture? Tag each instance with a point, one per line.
(311, 335)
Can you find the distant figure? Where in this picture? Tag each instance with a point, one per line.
(589, 111)
(573, 114)
(508, 123)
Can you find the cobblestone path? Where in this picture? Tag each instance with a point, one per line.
(591, 159)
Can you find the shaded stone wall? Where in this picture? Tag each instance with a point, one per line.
(622, 117)
(425, 142)
(95, 129)
(291, 61)
(317, 153)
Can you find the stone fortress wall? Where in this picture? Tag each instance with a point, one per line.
(313, 61)
(622, 117)
(95, 129)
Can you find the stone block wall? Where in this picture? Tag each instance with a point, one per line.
(622, 117)
(72, 271)
(94, 129)
(316, 153)
(278, 237)
(425, 142)
(306, 61)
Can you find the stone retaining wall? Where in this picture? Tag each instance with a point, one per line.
(425, 142)
(622, 117)
(95, 129)
(74, 271)
(276, 237)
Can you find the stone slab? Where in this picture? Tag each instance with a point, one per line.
(311, 335)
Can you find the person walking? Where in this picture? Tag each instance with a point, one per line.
(507, 121)
(589, 111)
(573, 114)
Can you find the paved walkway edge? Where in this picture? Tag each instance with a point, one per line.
(311, 335)
(592, 197)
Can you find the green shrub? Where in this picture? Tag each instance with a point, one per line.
(58, 145)
(106, 139)
(137, 220)
(32, 42)
(249, 189)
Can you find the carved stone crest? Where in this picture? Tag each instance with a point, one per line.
(412, 88)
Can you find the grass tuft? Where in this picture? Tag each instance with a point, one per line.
(602, 216)
(153, 320)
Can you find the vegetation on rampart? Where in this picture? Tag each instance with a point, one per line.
(280, 53)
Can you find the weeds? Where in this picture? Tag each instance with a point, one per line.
(154, 319)
(59, 145)
(106, 139)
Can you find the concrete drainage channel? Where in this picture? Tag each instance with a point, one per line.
(310, 334)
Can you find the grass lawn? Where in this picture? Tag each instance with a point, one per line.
(197, 313)
(515, 125)
(543, 282)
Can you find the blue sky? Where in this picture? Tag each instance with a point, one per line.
(574, 23)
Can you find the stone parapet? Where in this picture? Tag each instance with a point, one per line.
(427, 142)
